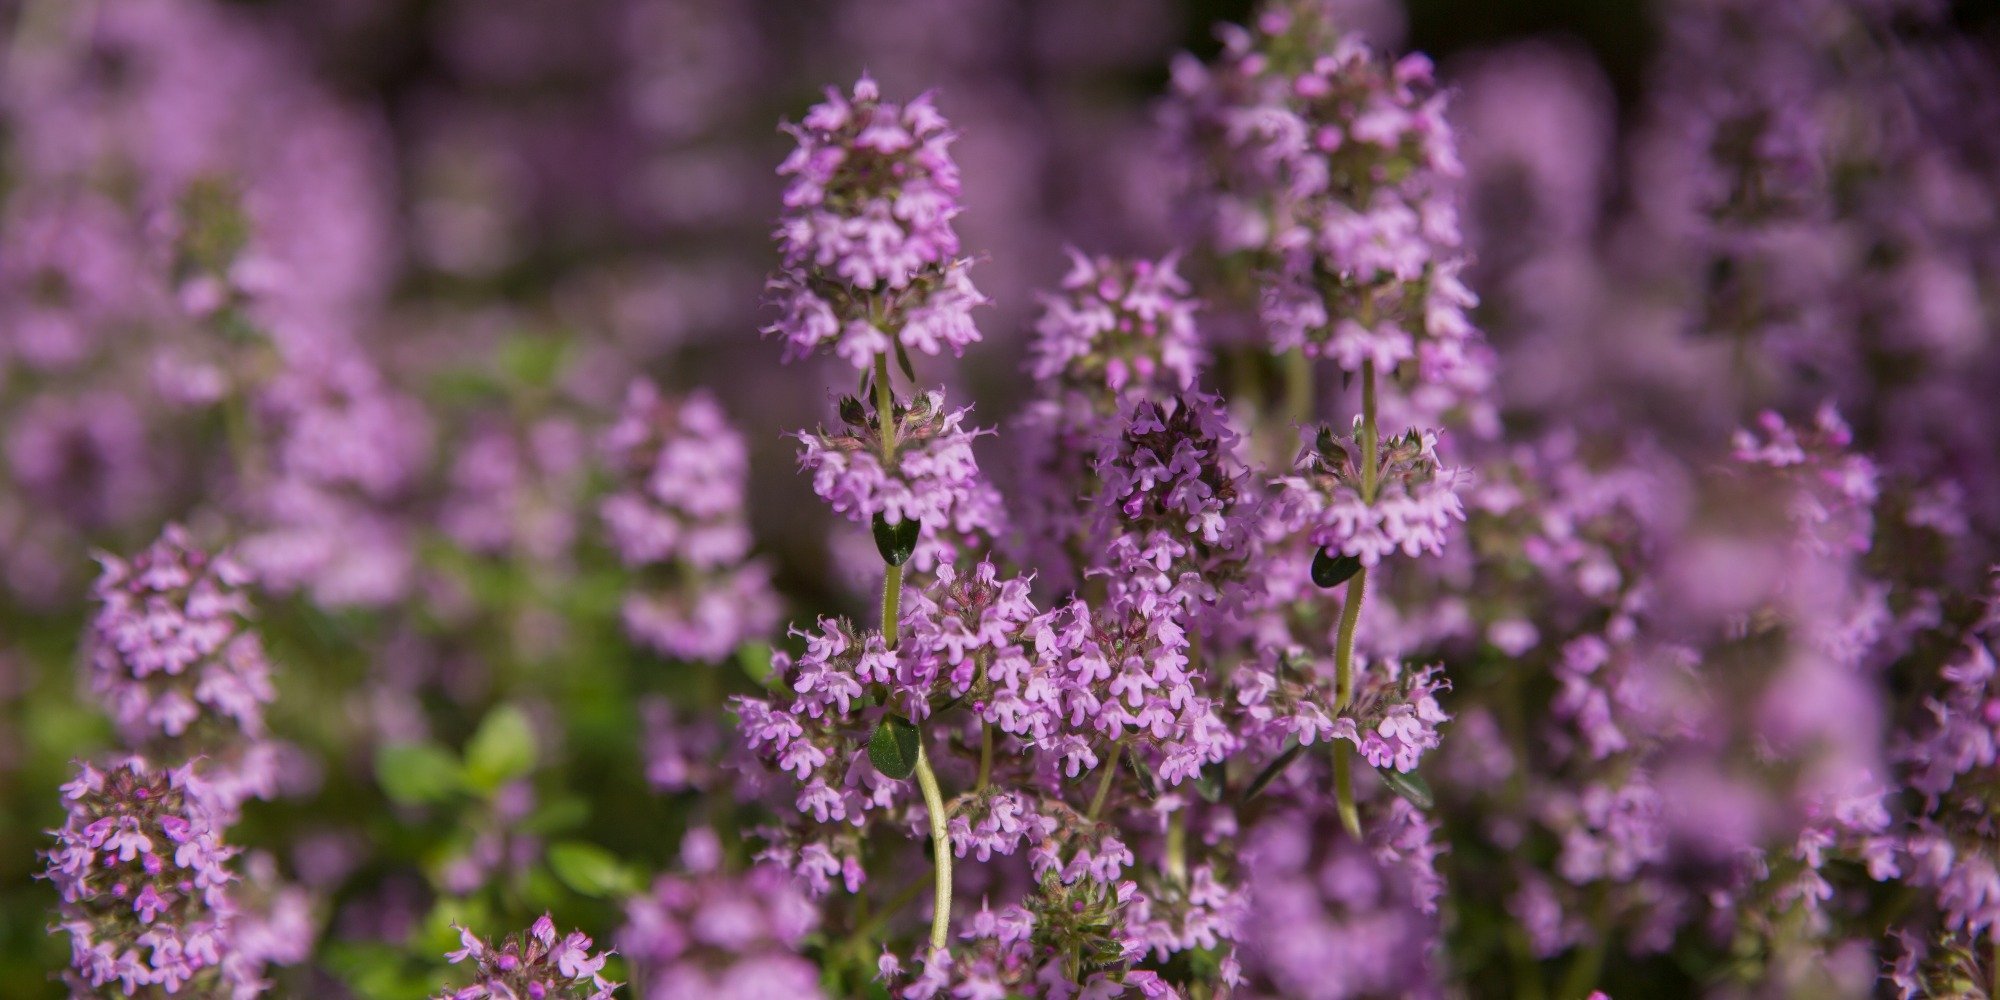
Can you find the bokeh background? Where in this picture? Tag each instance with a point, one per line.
(481, 218)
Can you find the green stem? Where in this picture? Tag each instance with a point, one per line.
(1104, 781)
(892, 593)
(1343, 788)
(1343, 643)
(1368, 433)
(885, 421)
(1177, 847)
(1588, 964)
(1298, 387)
(1350, 614)
(985, 757)
(940, 849)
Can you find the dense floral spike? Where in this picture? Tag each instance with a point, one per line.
(349, 450)
(538, 964)
(173, 644)
(1416, 497)
(1331, 170)
(680, 508)
(931, 476)
(871, 257)
(176, 663)
(1949, 756)
(1118, 330)
(1118, 324)
(1176, 507)
(1836, 488)
(144, 879)
(707, 933)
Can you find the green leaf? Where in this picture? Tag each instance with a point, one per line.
(892, 748)
(903, 362)
(532, 359)
(1208, 782)
(502, 749)
(591, 870)
(1329, 570)
(851, 412)
(1410, 786)
(896, 541)
(1272, 770)
(755, 659)
(418, 773)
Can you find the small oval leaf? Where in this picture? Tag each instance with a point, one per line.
(1410, 786)
(418, 773)
(1272, 770)
(502, 749)
(896, 541)
(1329, 570)
(590, 870)
(892, 748)
(755, 659)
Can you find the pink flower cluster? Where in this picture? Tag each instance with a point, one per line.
(540, 963)
(679, 512)
(871, 257)
(144, 879)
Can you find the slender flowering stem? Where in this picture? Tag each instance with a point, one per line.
(892, 595)
(1350, 612)
(1343, 788)
(1298, 386)
(892, 592)
(985, 757)
(1177, 847)
(940, 849)
(1368, 432)
(1104, 780)
(1343, 647)
(885, 414)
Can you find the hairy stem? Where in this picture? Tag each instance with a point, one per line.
(1350, 614)
(1343, 643)
(1368, 433)
(1298, 386)
(885, 419)
(940, 849)
(1343, 788)
(892, 593)
(985, 757)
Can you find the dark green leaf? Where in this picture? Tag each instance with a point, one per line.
(1209, 783)
(893, 747)
(1329, 570)
(896, 541)
(1408, 785)
(851, 412)
(1323, 442)
(1145, 775)
(903, 362)
(1272, 770)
